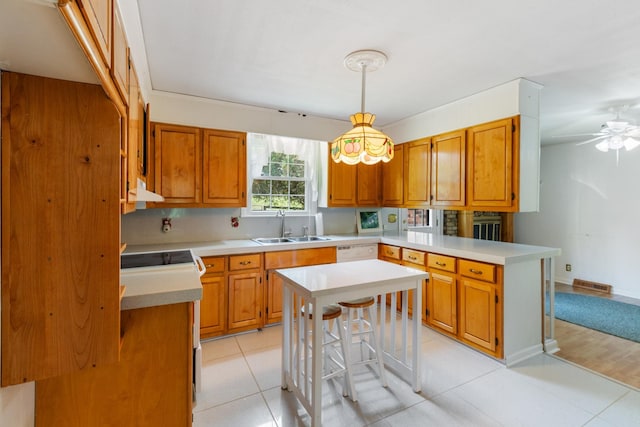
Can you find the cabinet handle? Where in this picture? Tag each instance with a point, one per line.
(245, 262)
(441, 264)
(412, 258)
(210, 265)
(475, 271)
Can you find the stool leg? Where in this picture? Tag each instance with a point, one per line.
(345, 344)
(376, 344)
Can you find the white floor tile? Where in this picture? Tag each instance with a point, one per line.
(218, 348)
(224, 380)
(624, 412)
(267, 337)
(266, 366)
(248, 411)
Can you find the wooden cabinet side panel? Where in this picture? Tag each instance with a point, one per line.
(224, 168)
(178, 163)
(393, 179)
(448, 169)
(120, 56)
(150, 385)
(60, 178)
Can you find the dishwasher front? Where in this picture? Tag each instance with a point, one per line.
(356, 252)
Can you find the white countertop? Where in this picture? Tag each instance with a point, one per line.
(147, 287)
(326, 278)
(480, 250)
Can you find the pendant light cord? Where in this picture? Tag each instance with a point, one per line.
(363, 66)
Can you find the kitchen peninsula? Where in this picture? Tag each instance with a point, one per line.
(495, 289)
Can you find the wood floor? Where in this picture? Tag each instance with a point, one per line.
(608, 355)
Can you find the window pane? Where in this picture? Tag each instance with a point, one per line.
(297, 188)
(280, 187)
(297, 203)
(297, 170)
(261, 186)
(259, 203)
(277, 169)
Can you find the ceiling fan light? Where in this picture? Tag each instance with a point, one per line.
(603, 146)
(631, 143)
(617, 125)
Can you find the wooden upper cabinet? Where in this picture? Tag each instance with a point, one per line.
(120, 57)
(178, 163)
(342, 184)
(224, 168)
(60, 181)
(99, 17)
(448, 169)
(393, 179)
(134, 141)
(490, 165)
(416, 173)
(369, 188)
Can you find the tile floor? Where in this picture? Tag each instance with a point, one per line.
(460, 387)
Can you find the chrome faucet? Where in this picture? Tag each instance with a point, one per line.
(305, 231)
(281, 214)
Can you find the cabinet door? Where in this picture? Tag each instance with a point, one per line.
(224, 168)
(442, 301)
(392, 179)
(245, 300)
(369, 188)
(416, 173)
(490, 173)
(134, 141)
(178, 163)
(120, 57)
(478, 313)
(212, 305)
(448, 169)
(99, 17)
(273, 304)
(342, 184)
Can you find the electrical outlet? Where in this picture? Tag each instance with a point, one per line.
(567, 267)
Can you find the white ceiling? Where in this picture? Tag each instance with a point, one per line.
(288, 54)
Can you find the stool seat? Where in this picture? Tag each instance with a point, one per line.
(358, 303)
(328, 312)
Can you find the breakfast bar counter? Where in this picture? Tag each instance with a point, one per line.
(320, 285)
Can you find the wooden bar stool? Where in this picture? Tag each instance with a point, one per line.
(365, 333)
(336, 356)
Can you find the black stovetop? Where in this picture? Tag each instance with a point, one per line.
(152, 259)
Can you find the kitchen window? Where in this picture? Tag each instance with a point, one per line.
(282, 175)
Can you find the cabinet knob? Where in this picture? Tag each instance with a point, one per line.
(441, 264)
(474, 271)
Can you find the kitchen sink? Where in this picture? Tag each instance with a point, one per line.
(276, 240)
(308, 239)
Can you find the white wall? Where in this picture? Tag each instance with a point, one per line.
(589, 208)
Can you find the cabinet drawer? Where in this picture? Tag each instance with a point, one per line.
(299, 258)
(414, 257)
(442, 262)
(244, 262)
(389, 251)
(214, 264)
(478, 270)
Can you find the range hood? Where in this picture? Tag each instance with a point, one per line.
(143, 195)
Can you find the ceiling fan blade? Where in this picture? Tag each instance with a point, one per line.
(576, 135)
(593, 140)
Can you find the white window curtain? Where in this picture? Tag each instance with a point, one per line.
(261, 146)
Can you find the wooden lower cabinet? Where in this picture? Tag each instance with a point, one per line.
(245, 296)
(151, 385)
(287, 259)
(442, 301)
(415, 259)
(213, 313)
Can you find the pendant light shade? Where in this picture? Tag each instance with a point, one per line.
(363, 143)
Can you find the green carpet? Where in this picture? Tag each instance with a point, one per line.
(611, 317)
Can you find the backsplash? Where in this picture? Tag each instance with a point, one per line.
(202, 225)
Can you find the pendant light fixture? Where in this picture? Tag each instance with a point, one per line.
(363, 143)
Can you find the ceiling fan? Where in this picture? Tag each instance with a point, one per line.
(616, 134)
